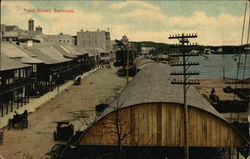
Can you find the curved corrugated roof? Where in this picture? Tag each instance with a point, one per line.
(142, 62)
(153, 85)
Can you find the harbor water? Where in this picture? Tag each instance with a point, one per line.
(214, 66)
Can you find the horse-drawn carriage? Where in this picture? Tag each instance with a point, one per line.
(64, 131)
(19, 121)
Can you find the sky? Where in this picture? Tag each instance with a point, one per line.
(215, 22)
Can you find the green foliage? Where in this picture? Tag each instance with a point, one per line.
(163, 48)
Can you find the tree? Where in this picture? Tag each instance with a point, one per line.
(113, 123)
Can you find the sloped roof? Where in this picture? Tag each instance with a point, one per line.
(10, 34)
(64, 52)
(73, 50)
(42, 56)
(14, 51)
(10, 27)
(7, 63)
(31, 60)
(54, 54)
(153, 85)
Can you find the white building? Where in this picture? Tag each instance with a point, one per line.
(147, 50)
(94, 40)
(61, 38)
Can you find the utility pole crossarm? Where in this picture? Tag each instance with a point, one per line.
(187, 64)
(179, 36)
(178, 54)
(189, 82)
(186, 44)
(185, 73)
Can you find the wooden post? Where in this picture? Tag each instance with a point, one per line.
(186, 131)
(229, 153)
(127, 65)
(238, 155)
(2, 105)
(7, 107)
(223, 72)
(22, 97)
(11, 105)
(184, 42)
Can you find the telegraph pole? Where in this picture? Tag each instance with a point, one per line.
(183, 44)
(127, 65)
(124, 47)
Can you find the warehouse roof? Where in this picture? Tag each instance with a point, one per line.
(142, 62)
(153, 85)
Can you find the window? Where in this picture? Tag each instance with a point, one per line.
(16, 73)
(34, 68)
(68, 41)
(24, 73)
(9, 81)
(21, 73)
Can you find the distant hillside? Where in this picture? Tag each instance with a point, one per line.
(163, 48)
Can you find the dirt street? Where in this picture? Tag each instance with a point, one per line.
(70, 105)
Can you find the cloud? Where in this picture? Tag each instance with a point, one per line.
(73, 22)
(218, 30)
(53, 23)
(144, 21)
(146, 14)
(12, 13)
(143, 4)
